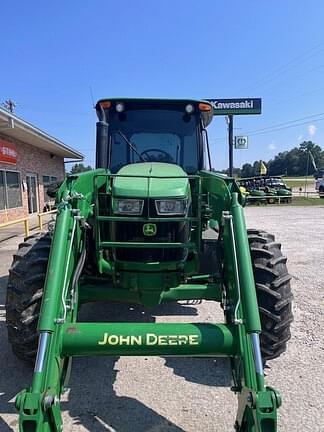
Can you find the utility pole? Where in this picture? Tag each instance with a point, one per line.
(230, 144)
(307, 169)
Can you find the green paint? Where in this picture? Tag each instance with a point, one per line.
(163, 268)
(152, 179)
(148, 339)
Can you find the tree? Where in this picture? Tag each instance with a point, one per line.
(247, 170)
(291, 162)
(236, 172)
(79, 168)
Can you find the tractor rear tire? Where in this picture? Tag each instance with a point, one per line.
(273, 292)
(24, 294)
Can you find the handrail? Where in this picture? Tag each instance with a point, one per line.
(24, 220)
(277, 198)
(40, 217)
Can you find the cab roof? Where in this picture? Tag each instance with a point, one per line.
(152, 103)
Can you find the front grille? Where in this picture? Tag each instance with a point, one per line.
(166, 232)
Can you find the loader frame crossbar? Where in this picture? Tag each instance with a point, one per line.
(62, 336)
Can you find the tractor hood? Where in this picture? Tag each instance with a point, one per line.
(160, 180)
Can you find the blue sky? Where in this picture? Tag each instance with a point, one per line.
(52, 52)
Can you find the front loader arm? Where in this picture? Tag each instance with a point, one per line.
(39, 405)
(257, 403)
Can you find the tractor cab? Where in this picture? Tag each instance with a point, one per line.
(152, 152)
(145, 130)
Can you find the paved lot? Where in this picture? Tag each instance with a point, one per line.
(169, 394)
(18, 229)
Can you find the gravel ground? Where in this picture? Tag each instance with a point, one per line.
(173, 394)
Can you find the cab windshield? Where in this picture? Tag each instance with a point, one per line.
(169, 136)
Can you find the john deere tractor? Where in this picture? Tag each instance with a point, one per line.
(133, 230)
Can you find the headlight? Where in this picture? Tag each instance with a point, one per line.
(120, 107)
(129, 206)
(171, 207)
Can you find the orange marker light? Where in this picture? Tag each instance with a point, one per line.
(204, 107)
(105, 104)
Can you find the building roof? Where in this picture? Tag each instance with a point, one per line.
(17, 128)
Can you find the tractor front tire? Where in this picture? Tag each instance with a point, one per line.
(24, 295)
(273, 292)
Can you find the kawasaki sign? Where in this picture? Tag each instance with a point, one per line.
(236, 106)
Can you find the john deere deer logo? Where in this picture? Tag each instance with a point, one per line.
(149, 229)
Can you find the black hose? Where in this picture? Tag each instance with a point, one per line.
(79, 266)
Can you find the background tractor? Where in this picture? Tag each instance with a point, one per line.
(132, 230)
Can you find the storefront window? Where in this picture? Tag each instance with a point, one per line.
(10, 190)
(2, 191)
(47, 181)
(13, 189)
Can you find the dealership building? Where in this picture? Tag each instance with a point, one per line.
(30, 160)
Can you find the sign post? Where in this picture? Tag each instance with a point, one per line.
(230, 143)
(231, 107)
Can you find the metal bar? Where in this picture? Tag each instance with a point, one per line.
(145, 219)
(229, 217)
(193, 292)
(146, 176)
(257, 358)
(230, 144)
(40, 217)
(248, 293)
(55, 271)
(26, 227)
(40, 361)
(5, 224)
(41, 352)
(102, 292)
(154, 245)
(148, 339)
(260, 197)
(40, 221)
(47, 212)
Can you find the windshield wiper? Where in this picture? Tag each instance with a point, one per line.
(131, 145)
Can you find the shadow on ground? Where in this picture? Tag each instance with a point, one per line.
(92, 400)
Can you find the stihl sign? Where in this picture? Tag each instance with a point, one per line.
(8, 152)
(236, 106)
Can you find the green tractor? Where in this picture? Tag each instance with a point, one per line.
(276, 184)
(133, 230)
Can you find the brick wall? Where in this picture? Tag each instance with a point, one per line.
(31, 160)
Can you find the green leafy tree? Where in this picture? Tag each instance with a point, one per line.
(236, 172)
(247, 170)
(291, 162)
(256, 168)
(79, 168)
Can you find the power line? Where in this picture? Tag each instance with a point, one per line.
(286, 66)
(297, 96)
(285, 123)
(285, 127)
(279, 126)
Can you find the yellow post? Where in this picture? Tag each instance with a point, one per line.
(40, 221)
(26, 225)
